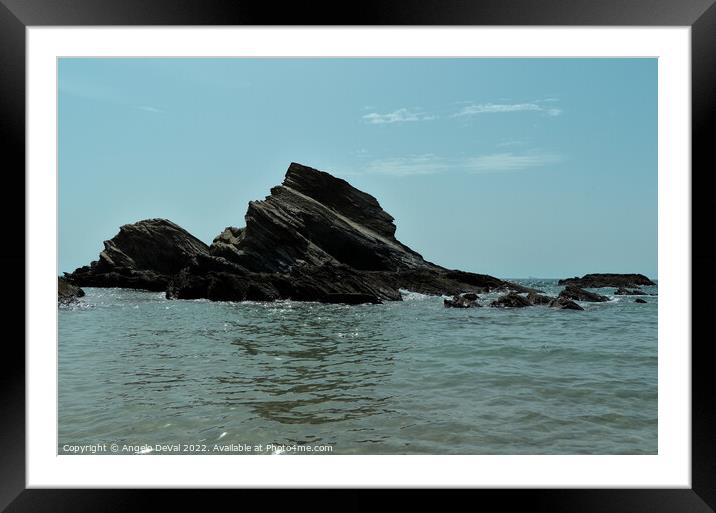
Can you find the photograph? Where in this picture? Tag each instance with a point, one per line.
(357, 256)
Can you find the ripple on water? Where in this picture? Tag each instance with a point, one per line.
(408, 377)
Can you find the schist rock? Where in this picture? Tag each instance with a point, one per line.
(143, 255)
(578, 294)
(608, 280)
(314, 238)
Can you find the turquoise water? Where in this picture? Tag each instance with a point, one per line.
(408, 377)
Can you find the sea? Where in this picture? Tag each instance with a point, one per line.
(140, 374)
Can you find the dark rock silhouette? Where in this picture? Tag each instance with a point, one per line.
(539, 299)
(577, 294)
(511, 300)
(314, 238)
(67, 292)
(621, 291)
(143, 255)
(563, 303)
(640, 300)
(608, 280)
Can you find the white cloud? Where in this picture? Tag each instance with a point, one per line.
(397, 116)
(411, 165)
(509, 162)
(475, 109)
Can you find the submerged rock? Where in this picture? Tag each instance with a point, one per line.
(640, 300)
(563, 303)
(511, 300)
(539, 299)
(67, 292)
(621, 291)
(577, 294)
(607, 280)
(468, 300)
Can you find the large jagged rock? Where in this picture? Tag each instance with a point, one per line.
(608, 280)
(143, 255)
(315, 238)
(316, 219)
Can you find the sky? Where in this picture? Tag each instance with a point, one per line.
(511, 167)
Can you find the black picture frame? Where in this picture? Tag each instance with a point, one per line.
(16, 15)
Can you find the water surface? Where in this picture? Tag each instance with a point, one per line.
(408, 377)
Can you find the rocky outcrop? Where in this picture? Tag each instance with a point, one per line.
(143, 255)
(621, 291)
(67, 292)
(538, 299)
(640, 300)
(314, 238)
(562, 303)
(468, 300)
(511, 300)
(608, 280)
(577, 294)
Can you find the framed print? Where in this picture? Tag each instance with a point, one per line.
(436, 246)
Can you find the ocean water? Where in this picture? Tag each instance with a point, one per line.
(142, 374)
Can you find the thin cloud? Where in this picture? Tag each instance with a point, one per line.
(509, 162)
(475, 109)
(397, 116)
(148, 108)
(429, 163)
(411, 165)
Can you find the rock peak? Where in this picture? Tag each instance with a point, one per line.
(339, 195)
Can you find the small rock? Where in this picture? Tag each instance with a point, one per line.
(539, 299)
(511, 300)
(461, 302)
(639, 300)
(563, 303)
(67, 292)
(577, 294)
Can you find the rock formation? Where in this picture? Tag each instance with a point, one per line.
(511, 300)
(640, 300)
(314, 238)
(538, 299)
(67, 292)
(143, 255)
(577, 294)
(468, 300)
(563, 303)
(608, 280)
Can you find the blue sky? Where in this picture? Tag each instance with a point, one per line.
(510, 167)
